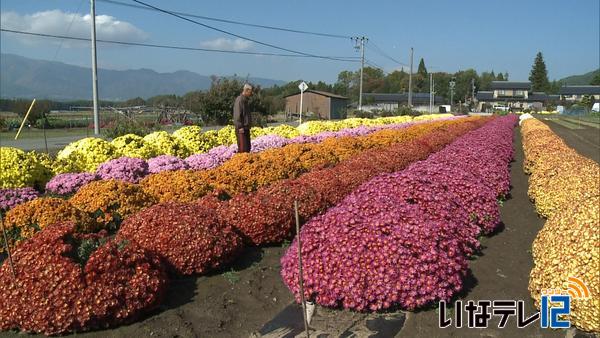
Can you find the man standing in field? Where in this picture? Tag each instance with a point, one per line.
(242, 119)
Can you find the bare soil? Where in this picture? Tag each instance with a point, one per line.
(585, 140)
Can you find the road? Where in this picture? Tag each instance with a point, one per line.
(58, 139)
(584, 138)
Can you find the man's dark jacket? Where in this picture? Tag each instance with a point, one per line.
(241, 113)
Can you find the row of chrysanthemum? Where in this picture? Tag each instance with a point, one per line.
(565, 188)
(131, 168)
(59, 281)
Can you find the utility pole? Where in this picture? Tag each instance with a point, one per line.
(430, 93)
(452, 84)
(362, 40)
(94, 70)
(410, 79)
(473, 90)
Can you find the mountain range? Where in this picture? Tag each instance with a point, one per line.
(22, 77)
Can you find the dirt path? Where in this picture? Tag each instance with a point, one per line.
(59, 138)
(585, 140)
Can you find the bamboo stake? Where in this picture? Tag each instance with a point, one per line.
(10, 261)
(25, 119)
(44, 129)
(301, 278)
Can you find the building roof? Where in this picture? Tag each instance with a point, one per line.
(532, 97)
(580, 90)
(319, 92)
(510, 85)
(484, 96)
(553, 97)
(537, 97)
(400, 97)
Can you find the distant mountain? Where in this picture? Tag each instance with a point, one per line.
(584, 79)
(28, 78)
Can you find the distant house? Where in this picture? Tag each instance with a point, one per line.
(390, 102)
(576, 93)
(513, 94)
(325, 105)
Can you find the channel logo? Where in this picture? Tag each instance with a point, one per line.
(555, 304)
(555, 307)
(577, 289)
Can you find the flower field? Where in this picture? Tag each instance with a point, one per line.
(565, 188)
(20, 169)
(404, 238)
(181, 238)
(395, 215)
(109, 201)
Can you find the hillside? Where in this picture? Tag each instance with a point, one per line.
(583, 79)
(29, 78)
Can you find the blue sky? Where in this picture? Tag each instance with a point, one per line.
(449, 35)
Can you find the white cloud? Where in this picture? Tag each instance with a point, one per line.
(57, 22)
(237, 45)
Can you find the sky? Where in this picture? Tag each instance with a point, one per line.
(503, 36)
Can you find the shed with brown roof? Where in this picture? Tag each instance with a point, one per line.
(325, 105)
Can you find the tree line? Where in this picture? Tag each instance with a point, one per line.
(216, 104)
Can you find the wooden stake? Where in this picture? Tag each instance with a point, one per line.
(44, 129)
(300, 278)
(25, 119)
(10, 261)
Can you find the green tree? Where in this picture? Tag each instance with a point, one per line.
(596, 80)
(347, 84)
(485, 80)
(40, 108)
(397, 82)
(539, 74)
(422, 69)
(170, 100)
(192, 101)
(554, 87)
(442, 84)
(322, 86)
(216, 105)
(500, 77)
(421, 79)
(463, 84)
(587, 101)
(138, 101)
(373, 80)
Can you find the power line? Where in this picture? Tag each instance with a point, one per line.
(380, 51)
(114, 2)
(139, 44)
(373, 64)
(234, 34)
(68, 30)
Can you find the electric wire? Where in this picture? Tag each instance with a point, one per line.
(380, 51)
(338, 36)
(140, 44)
(68, 30)
(234, 34)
